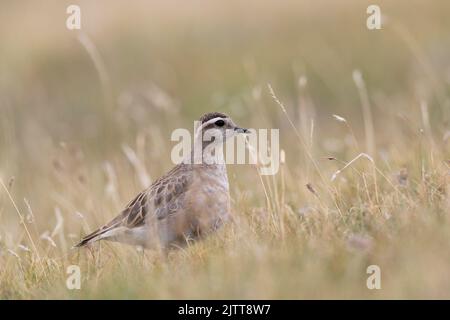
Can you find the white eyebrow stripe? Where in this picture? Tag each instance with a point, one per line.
(211, 121)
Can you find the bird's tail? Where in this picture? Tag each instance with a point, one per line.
(90, 238)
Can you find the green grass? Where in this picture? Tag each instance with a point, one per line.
(63, 125)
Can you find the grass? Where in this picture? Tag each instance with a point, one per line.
(364, 127)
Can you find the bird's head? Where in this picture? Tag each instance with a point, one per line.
(217, 127)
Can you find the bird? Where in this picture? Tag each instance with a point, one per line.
(189, 202)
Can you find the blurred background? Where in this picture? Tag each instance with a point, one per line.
(86, 115)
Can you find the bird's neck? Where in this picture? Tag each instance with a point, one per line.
(208, 161)
(207, 153)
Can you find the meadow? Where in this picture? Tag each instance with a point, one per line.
(364, 118)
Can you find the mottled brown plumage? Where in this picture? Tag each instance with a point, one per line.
(185, 203)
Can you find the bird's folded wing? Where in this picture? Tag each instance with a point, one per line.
(162, 199)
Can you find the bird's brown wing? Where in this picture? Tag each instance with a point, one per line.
(162, 198)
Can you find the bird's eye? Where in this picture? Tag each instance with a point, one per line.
(220, 123)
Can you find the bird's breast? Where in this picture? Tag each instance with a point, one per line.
(210, 193)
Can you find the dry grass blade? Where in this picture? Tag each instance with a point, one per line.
(139, 167)
(426, 121)
(339, 118)
(22, 222)
(311, 158)
(96, 58)
(361, 155)
(30, 214)
(367, 112)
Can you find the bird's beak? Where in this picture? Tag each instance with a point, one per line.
(241, 130)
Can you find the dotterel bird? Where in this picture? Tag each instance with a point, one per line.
(189, 201)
